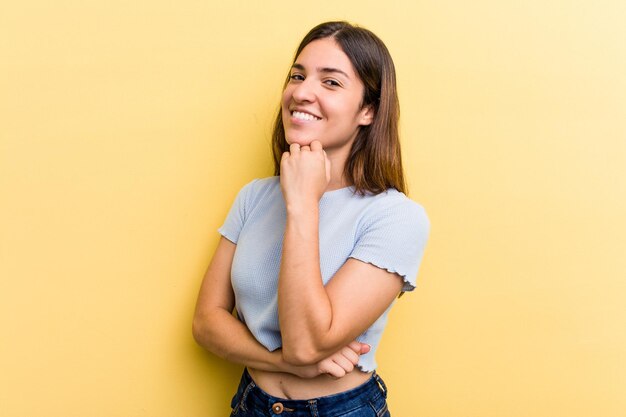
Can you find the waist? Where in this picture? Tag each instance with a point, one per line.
(371, 392)
(289, 386)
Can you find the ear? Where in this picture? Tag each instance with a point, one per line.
(366, 115)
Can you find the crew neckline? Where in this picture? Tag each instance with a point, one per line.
(338, 191)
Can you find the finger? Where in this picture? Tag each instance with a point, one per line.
(351, 355)
(344, 362)
(305, 148)
(329, 367)
(355, 346)
(294, 148)
(284, 156)
(365, 348)
(316, 145)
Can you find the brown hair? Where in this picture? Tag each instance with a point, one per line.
(374, 163)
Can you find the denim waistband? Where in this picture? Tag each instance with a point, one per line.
(252, 396)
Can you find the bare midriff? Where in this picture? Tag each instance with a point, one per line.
(292, 387)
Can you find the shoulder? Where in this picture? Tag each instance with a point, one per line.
(260, 184)
(395, 207)
(392, 235)
(258, 188)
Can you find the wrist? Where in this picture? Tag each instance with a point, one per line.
(304, 207)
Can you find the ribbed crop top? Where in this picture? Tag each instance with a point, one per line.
(387, 230)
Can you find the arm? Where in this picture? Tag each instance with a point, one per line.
(316, 320)
(214, 326)
(217, 330)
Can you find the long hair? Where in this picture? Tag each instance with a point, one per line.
(374, 163)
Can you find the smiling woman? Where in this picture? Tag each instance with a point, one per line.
(323, 99)
(313, 258)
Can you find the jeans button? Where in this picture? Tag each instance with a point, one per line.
(277, 408)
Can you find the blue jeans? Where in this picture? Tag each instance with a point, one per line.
(366, 400)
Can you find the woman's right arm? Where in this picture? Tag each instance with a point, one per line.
(217, 330)
(214, 326)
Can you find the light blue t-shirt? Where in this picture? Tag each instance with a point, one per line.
(387, 230)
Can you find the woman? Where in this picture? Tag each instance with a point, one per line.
(313, 258)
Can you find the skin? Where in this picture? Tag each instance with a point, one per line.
(318, 330)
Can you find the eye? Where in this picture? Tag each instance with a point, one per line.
(332, 83)
(296, 77)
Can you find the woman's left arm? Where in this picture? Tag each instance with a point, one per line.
(316, 320)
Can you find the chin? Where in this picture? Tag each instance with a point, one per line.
(299, 141)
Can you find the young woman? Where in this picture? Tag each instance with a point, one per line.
(313, 258)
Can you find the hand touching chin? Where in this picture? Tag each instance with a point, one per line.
(302, 141)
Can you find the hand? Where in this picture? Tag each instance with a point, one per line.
(344, 361)
(336, 365)
(304, 173)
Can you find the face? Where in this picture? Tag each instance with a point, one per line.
(322, 100)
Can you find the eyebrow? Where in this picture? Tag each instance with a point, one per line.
(325, 70)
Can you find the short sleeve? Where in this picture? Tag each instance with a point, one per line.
(393, 237)
(237, 215)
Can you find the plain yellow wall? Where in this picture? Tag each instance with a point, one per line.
(126, 129)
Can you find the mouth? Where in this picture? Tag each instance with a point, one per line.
(307, 117)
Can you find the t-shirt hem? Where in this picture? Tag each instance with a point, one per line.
(230, 236)
(365, 369)
(407, 285)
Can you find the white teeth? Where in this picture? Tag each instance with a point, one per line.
(304, 116)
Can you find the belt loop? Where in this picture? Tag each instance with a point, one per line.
(313, 408)
(245, 395)
(381, 384)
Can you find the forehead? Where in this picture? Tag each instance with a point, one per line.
(324, 53)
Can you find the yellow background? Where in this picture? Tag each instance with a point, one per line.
(128, 127)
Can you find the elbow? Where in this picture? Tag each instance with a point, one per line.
(201, 332)
(197, 331)
(300, 355)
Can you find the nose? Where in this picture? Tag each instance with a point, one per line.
(303, 92)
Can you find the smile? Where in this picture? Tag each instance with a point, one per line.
(304, 116)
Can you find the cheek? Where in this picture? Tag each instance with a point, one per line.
(284, 105)
(344, 114)
(286, 97)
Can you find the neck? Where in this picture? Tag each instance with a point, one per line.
(337, 165)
